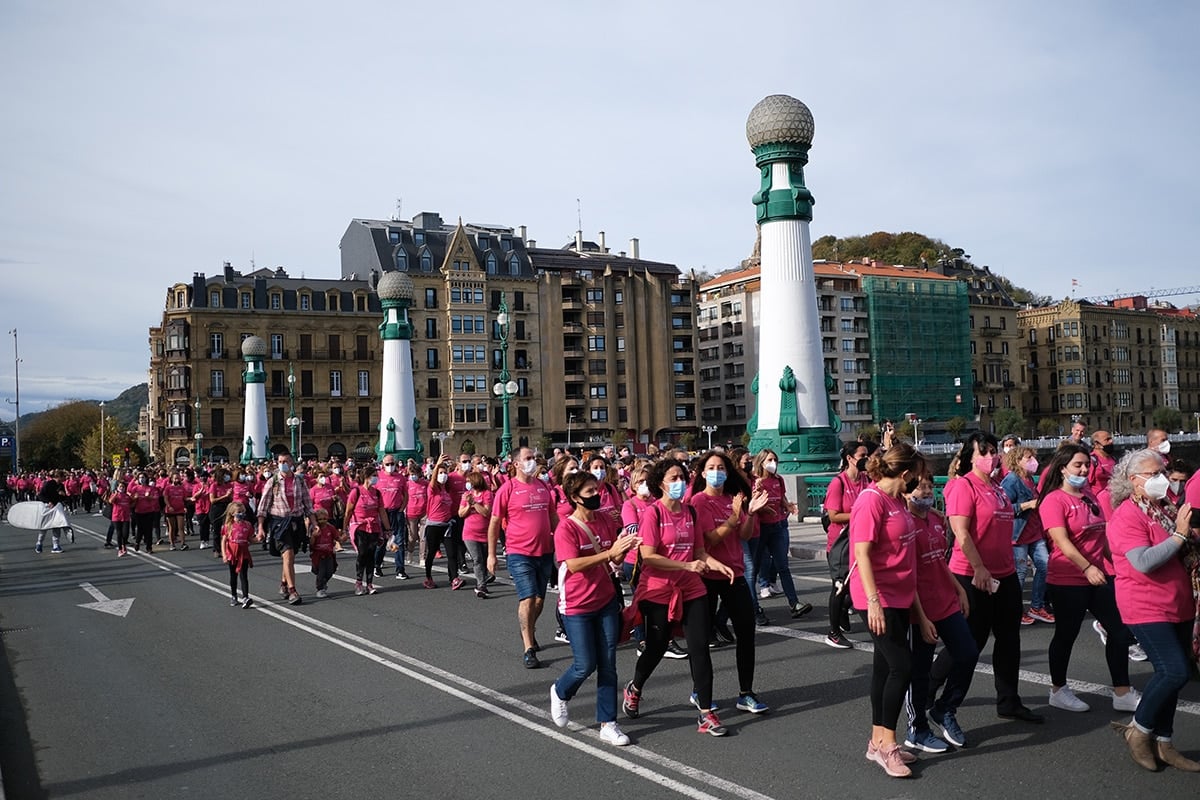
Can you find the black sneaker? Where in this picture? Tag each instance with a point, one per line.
(379, 572)
(723, 633)
(800, 609)
(838, 639)
(675, 651)
(761, 619)
(530, 659)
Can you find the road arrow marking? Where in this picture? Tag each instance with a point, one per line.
(118, 608)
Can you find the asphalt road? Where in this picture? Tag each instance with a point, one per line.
(421, 693)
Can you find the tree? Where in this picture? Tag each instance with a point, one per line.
(867, 433)
(904, 431)
(1169, 419)
(619, 438)
(1009, 420)
(115, 441)
(688, 441)
(1047, 426)
(543, 444)
(52, 439)
(955, 426)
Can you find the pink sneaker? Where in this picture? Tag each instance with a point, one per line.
(891, 758)
(358, 588)
(456, 584)
(429, 584)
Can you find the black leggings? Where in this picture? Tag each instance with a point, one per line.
(205, 525)
(696, 626)
(236, 577)
(144, 529)
(441, 535)
(738, 605)
(122, 531)
(891, 670)
(1071, 604)
(364, 566)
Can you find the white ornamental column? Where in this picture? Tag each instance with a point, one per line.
(254, 438)
(398, 402)
(793, 415)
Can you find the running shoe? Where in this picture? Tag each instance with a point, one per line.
(611, 733)
(561, 636)
(694, 699)
(1128, 701)
(800, 609)
(1042, 615)
(247, 602)
(530, 659)
(1027, 618)
(294, 598)
(558, 708)
(760, 618)
(631, 701)
(358, 588)
(322, 594)
(890, 758)
(1136, 653)
(429, 584)
(709, 723)
(675, 651)
(456, 584)
(748, 702)
(371, 589)
(951, 731)
(838, 639)
(925, 741)
(1065, 699)
(57, 549)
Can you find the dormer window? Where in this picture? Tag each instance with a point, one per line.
(214, 299)
(505, 243)
(401, 260)
(276, 301)
(491, 264)
(514, 265)
(305, 302)
(426, 261)
(419, 237)
(394, 236)
(245, 300)
(484, 241)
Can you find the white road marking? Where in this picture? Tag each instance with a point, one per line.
(118, 608)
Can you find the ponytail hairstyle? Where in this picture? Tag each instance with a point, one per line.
(895, 461)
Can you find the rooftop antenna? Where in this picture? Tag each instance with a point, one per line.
(578, 215)
(252, 261)
(399, 207)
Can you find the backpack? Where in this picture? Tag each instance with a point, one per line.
(825, 520)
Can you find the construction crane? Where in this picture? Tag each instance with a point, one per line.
(1108, 298)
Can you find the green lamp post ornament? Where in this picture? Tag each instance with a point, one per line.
(505, 388)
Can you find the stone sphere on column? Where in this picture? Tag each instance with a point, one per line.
(395, 286)
(779, 119)
(254, 346)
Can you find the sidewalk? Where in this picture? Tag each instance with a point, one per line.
(807, 539)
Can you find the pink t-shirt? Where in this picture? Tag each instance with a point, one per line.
(418, 494)
(840, 498)
(393, 486)
(365, 516)
(440, 505)
(174, 494)
(776, 508)
(1100, 471)
(888, 525)
(145, 498)
(475, 524)
(935, 585)
(200, 496)
(1084, 527)
(591, 589)
(1164, 595)
(121, 503)
(1191, 491)
(712, 511)
(631, 515)
(524, 509)
(675, 537)
(990, 520)
(323, 496)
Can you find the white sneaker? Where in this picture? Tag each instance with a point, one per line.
(610, 732)
(1136, 653)
(1065, 699)
(558, 709)
(1128, 701)
(1099, 629)
(775, 589)
(203, 545)
(764, 593)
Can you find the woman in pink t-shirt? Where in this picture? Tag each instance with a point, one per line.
(981, 518)
(122, 514)
(475, 511)
(883, 584)
(588, 546)
(843, 490)
(1080, 577)
(724, 515)
(175, 510)
(773, 533)
(671, 590)
(414, 513)
(440, 510)
(366, 521)
(1147, 538)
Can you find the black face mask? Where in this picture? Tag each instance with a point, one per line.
(1108, 448)
(911, 485)
(861, 465)
(590, 503)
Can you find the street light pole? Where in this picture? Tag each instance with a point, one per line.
(292, 407)
(710, 430)
(17, 423)
(570, 419)
(102, 450)
(199, 437)
(505, 388)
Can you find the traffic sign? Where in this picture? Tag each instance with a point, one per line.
(6, 442)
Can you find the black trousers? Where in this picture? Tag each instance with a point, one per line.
(441, 535)
(1071, 604)
(364, 565)
(696, 627)
(143, 529)
(235, 578)
(997, 615)
(740, 608)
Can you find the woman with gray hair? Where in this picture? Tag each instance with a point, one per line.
(1154, 595)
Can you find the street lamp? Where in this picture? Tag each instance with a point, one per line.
(570, 419)
(292, 422)
(505, 388)
(1196, 416)
(710, 430)
(441, 437)
(102, 450)
(199, 437)
(17, 423)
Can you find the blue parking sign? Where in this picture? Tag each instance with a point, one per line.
(6, 443)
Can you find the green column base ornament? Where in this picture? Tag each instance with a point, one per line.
(247, 450)
(417, 453)
(802, 451)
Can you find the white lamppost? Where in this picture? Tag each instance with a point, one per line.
(103, 458)
(710, 430)
(17, 423)
(442, 436)
(199, 437)
(570, 419)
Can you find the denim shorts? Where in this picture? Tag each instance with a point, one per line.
(530, 574)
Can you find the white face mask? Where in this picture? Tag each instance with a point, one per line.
(442, 477)
(1164, 447)
(643, 490)
(1176, 486)
(321, 480)
(1008, 449)
(771, 466)
(1156, 487)
(337, 470)
(529, 466)
(390, 468)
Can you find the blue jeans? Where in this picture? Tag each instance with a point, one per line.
(594, 645)
(749, 559)
(638, 633)
(1041, 558)
(530, 574)
(773, 549)
(1167, 645)
(398, 521)
(960, 644)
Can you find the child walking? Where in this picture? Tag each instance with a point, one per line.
(236, 534)
(323, 548)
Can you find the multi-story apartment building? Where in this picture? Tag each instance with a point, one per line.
(600, 342)
(1111, 365)
(323, 365)
(996, 375)
(886, 339)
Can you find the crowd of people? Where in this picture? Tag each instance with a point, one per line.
(667, 547)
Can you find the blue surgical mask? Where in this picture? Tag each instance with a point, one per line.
(922, 503)
(374, 479)
(600, 474)
(676, 489)
(1077, 481)
(715, 478)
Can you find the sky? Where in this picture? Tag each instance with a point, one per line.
(146, 141)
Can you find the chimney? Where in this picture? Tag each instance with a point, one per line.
(578, 241)
(603, 248)
(531, 243)
(633, 249)
(521, 228)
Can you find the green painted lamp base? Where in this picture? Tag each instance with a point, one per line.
(401, 456)
(810, 451)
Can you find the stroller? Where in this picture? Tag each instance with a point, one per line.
(35, 515)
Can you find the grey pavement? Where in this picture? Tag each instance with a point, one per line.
(420, 693)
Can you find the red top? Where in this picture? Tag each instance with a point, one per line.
(146, 499)
(1085, 529)
(440, 504)
(1100, 472)
(989, 516)
(712, 511)
(1164, 595)
(418, 492)
(365, 516)
(887, 524)
(121, 502)
(591, 589)
(174, 495)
